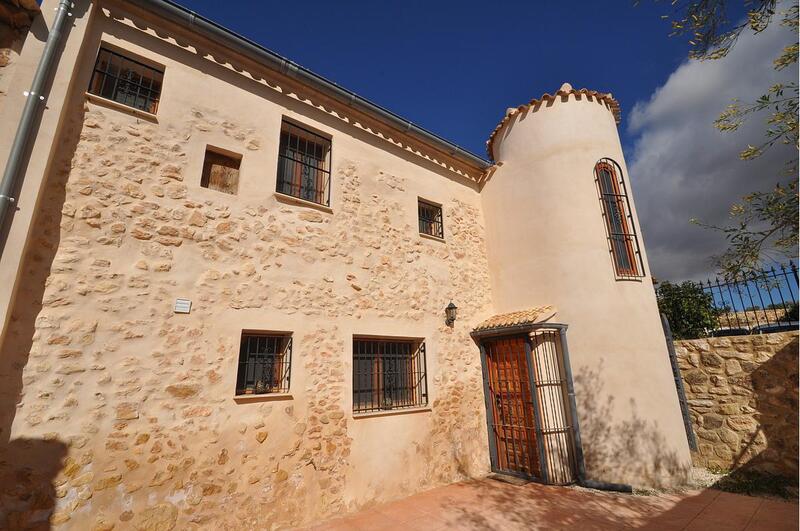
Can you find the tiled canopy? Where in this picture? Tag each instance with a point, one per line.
(530, 316)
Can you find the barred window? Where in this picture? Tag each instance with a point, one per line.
(388, 374)
(126, 81)
(430, 218)
(622, 240)
(304, 164)
(265, 362)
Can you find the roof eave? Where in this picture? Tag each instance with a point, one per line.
(211, 30)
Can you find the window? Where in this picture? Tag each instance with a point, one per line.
(304, 164)
(388, 374)
(430, 218)
(126, 81)
(623, 243)
(265, 362)
(221, 171)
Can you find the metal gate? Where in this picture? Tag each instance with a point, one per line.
(528, 391)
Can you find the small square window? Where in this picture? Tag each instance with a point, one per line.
(430, 219)
(304, 164)
(126, 81)
(388, 374)
(221, 171)
(265, 363)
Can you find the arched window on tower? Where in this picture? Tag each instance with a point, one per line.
(623, 244)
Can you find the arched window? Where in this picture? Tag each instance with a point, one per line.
(622, 241)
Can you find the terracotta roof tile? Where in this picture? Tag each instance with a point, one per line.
(566, 89)
(534, 315)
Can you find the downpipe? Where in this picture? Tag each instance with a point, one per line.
(34, 100)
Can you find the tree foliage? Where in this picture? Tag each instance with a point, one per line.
(689, 310)
(763, 225)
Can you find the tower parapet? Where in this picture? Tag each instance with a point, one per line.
(562, 95)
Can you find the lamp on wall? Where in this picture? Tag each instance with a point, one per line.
(451, 311)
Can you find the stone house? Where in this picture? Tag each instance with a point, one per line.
(227, 288)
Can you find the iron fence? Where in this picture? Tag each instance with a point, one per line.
(760, 302)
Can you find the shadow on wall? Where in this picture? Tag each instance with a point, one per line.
(28, 471)
(775, 399)
(617, 451)
(29, 467)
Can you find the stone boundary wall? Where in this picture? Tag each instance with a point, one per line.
(742, 395)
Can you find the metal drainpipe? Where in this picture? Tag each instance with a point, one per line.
(28, 118)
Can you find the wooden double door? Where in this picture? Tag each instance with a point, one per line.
(511, 407)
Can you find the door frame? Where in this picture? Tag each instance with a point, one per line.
(524, 331)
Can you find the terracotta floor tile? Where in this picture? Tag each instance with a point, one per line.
(425, 523)
(664, 523)
(368, 521)
(782, 517)
(403, 510)
(492, 505)
(701, 524)
(771, 526)
(339, 524)
(731, 511)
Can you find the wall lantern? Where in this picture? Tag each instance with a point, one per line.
(451, 312)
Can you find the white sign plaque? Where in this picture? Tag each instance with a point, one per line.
(183, 305)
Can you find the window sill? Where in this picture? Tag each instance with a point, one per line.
(290, 199)
(391, 412)
(267, 397)
(94, 98)
(431, 237)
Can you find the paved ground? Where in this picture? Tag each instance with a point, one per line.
(493, 505)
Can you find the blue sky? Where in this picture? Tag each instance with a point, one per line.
(454, 67)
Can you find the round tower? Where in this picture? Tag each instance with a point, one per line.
(562, 230)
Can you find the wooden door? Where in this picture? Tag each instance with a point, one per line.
(509, 398)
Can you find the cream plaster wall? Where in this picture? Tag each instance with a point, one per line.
(547, 245)
(138, 402)
(121, 412)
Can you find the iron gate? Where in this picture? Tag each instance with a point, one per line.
(528, 391)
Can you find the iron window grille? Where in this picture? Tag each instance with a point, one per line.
(265, 362)
(126, 81)
(304, 164)
(430, 219)
(623, 243)
(388, 374)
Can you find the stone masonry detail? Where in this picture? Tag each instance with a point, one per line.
(139, 396)
(742, 394)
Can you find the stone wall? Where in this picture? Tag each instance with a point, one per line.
(743, 394)
(125, 412)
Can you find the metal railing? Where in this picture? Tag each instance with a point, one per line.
(765, 301)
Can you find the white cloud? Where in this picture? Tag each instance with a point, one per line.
(682, 167)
